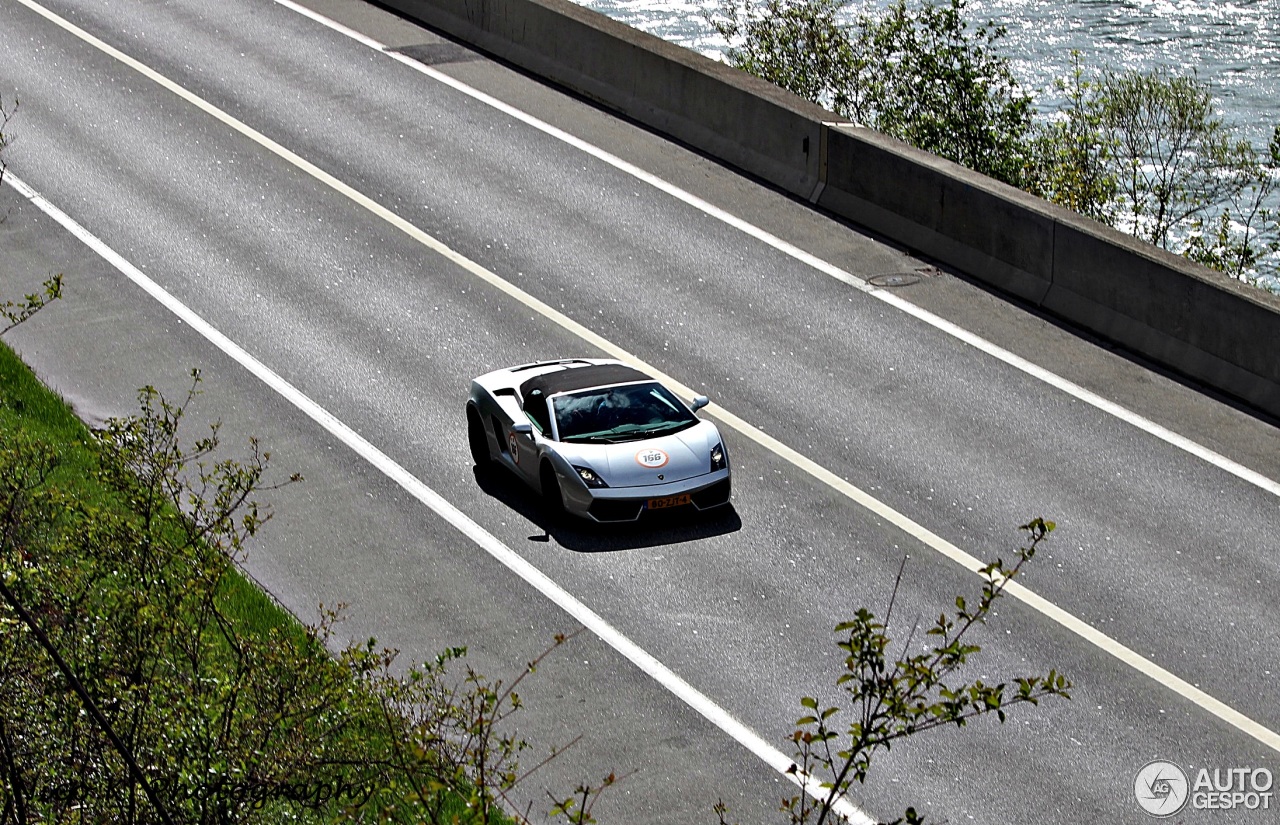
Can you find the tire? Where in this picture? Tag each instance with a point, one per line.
(477, 440)
(552, 499)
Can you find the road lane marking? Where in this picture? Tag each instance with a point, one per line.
(1046, 608)
(887, 296)
(646, 662)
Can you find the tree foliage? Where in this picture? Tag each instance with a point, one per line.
(1146, 151)
(799, 45)
(943, 87)
(6, 115)
(916, 71)
(1242, 238)
(1073, 160)
(133, 690)
(14, 313)
(1172, 154)
(189, 719)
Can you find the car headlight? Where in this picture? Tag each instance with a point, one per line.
(718, 460)
(589, 477)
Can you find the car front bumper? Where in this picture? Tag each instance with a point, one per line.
(620, 504)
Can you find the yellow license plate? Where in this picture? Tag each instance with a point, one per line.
(669, 501)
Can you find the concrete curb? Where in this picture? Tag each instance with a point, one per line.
(1178, 314)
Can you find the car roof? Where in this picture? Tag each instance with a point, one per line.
(581, 378)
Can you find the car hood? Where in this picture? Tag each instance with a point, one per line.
(648, 461)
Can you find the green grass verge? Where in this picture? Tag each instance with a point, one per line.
(29, 410)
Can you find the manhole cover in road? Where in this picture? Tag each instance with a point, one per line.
(895, 279)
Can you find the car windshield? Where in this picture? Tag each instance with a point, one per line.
(624, 413)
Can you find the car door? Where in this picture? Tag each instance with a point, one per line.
(524, 444)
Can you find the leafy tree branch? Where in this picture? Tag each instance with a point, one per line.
(889, 697)
(6, 114)
(133, 691)
(915, 71)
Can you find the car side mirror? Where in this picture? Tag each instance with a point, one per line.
(699, 401)
(522, 427)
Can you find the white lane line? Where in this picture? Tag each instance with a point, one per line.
(637, 655)
(1064, 618)
(1062, 384)
(1015, 589)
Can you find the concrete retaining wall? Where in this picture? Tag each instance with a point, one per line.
(1178, 314)
(1160, 305)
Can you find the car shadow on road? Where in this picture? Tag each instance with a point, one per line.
(580, 536)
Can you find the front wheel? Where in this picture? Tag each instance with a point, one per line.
(552, 499)
(477, 439)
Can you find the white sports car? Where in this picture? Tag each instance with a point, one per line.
(597, 438)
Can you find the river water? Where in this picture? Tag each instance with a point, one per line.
(1232, 46)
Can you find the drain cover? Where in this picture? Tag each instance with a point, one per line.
(895, 279)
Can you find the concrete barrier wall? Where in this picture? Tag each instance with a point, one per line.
(1160, 305)
(1176, 313)
(967, 220)
(1211, 328)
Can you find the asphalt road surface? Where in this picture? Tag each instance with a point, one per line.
(342, 232)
